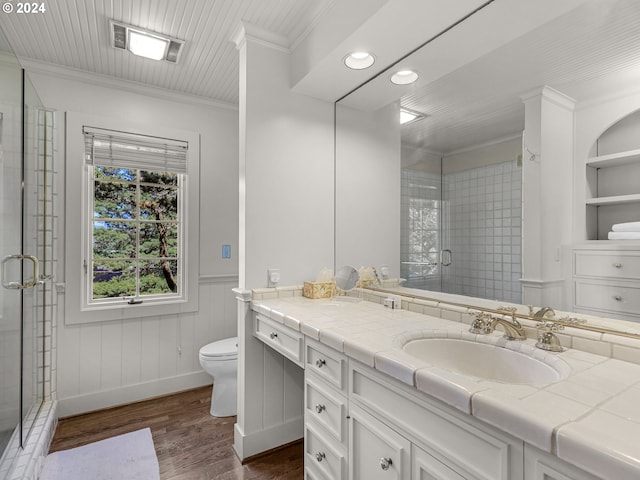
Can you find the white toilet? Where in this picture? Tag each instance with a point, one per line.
(220, 360)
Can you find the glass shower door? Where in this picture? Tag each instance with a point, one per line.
(421, 255)
(25, 205)
(10, 244)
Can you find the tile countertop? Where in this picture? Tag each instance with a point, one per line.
(590, 418)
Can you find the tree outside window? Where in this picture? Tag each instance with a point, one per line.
(136, 233)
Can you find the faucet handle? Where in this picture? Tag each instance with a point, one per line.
(573, 320)
(549, 326)
(547, 340)
(482, 324)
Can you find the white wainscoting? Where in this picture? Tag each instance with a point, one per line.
(104, 364)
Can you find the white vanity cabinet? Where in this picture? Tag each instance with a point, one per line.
(444, 443)
(361, 424)
(606, 279)
(326, 412)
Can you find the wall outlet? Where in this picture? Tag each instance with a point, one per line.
(384, 272)
(273, 277)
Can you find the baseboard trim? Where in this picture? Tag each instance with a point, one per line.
(130, 393)
(248, 446)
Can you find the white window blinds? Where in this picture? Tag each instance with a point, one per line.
(111, 148)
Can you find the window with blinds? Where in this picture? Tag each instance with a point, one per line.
(136, 187)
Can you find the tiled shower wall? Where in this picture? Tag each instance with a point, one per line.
(46, 227)
(481, 223)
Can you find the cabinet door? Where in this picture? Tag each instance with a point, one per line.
(539, 465)
(426, 467)
(376, 452)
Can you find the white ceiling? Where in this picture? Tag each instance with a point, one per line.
(591, 51)
(75, 34)
(472, 76)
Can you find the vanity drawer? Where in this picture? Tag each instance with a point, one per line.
(610, 297)
(471, 450)
(320, 455)
(328, 408)
(328, 364)
(282, 339)
(623, 265)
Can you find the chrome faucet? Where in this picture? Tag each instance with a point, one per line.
(513, 330)
(485, 324)
(544, 312)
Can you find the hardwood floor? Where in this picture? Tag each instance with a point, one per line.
(190, 443)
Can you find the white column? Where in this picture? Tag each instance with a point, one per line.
(547, 157)
(285, 221)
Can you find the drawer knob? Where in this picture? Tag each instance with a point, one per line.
(320, 363)
(385, 463)
(273, 335)
(320, 456)
(617, 298)
(617, 265)
(320, 408)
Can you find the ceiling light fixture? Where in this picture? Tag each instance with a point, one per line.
(404, 77)
(408, 116)
(359, 60)
(148, 46)
(145, 43)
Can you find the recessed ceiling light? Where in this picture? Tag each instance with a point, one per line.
(408, 116)
(404, 77)
(145, 43)
(359, 60)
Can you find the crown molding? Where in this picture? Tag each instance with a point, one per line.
(67, 73)
(551, 94)
(247, 32)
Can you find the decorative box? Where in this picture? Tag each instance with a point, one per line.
(317, 289)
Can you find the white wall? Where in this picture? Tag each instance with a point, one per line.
(113, 362)
(286, 162)
(368, 167)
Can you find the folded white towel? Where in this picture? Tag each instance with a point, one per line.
(626, 227)
(624, 235)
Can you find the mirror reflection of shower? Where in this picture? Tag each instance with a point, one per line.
(461, 220)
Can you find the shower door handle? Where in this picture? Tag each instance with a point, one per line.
(446, 253)
(13, 285)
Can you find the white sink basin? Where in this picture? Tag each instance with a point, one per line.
(489, 362)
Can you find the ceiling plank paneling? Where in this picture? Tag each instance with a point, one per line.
(75, 34)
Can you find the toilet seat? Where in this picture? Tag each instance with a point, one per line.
(226, 349)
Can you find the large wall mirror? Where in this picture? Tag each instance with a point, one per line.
(438, 200)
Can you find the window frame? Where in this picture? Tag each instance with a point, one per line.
(70, 279)
(118, 302)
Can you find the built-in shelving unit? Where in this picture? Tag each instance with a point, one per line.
(613, 186)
